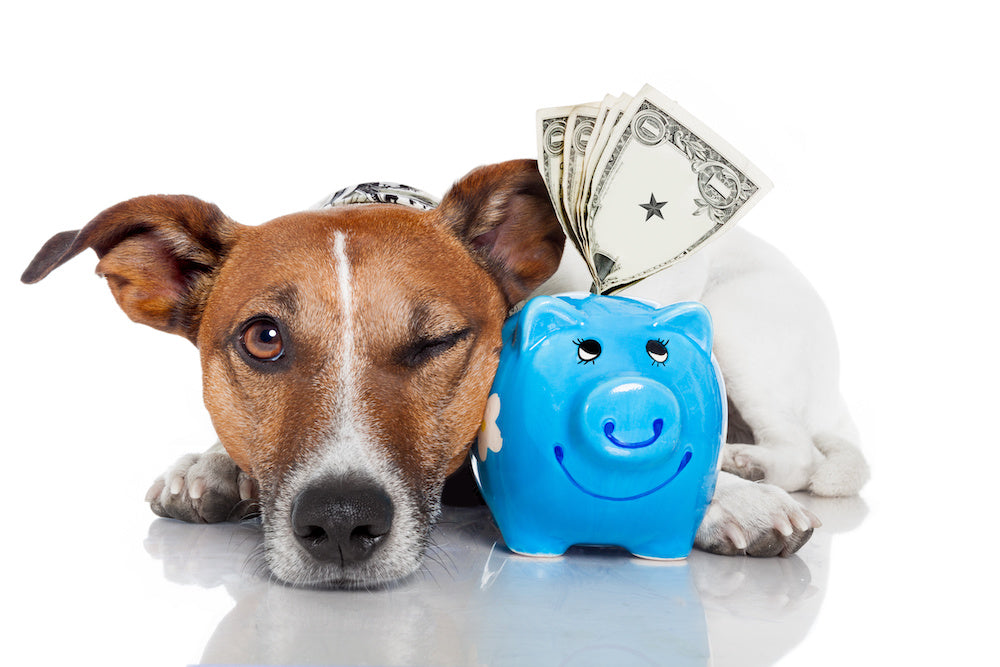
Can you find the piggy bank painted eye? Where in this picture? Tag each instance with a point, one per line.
(657, 351)
(587, 350)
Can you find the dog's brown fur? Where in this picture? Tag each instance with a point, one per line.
(426, 349)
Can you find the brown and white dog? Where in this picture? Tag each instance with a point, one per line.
(347, 355)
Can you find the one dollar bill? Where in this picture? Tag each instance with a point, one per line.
(641, 184)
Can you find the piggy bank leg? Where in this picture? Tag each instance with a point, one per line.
(662, 550)
(535, 547)
(527, 533)
(670, 538)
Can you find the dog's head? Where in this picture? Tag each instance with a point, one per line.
(347, 353)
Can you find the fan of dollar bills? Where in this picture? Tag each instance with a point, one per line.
(639, 184)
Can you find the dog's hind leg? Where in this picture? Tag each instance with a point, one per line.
(843, 470)
(774, 446)
(204, 488)
(775, 343)
(782, 455)
(777, 395)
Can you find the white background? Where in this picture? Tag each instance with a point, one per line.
(875, 120)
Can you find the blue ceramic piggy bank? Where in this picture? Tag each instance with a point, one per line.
(603, 427)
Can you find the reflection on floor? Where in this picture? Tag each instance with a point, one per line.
(475, 603)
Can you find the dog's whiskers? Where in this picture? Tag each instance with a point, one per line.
(255, 563)
(440, 557)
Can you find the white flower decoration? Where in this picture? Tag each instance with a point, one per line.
(489, 433)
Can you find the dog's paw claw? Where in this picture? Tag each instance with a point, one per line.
(203, 488)
(248, 488)
(155, 490)
(783, 525)
(197, 488)
(805, 520)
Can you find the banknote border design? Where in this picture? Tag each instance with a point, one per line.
(569, 163)
(698, 151)
(549, 126)
(700, 154)
(547, 167)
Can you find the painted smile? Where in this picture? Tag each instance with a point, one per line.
(609, 429)
(559, 457)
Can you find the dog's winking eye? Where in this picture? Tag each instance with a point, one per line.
(424, 349)
(262, 340)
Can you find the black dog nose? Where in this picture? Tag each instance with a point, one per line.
(342, 520)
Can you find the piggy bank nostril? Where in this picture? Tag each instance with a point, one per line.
(609, 428)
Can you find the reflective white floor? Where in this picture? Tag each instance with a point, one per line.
(888, 578)
(475, 603)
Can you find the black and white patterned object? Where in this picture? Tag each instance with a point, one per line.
(380, 193)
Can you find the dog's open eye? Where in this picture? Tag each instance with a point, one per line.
(262, 340)
(587, 350)
(657, 351)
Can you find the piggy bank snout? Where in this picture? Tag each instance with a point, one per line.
(633, 416)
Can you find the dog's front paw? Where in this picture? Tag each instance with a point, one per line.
(204, 488)
(755, 520)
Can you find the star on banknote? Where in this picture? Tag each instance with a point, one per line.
(653, 207)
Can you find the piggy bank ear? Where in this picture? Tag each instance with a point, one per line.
(690, 318)
(542, 316)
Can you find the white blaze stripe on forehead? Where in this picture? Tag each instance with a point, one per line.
(343, 266)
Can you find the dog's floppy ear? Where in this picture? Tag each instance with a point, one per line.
(158, 253)
(503, 213)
